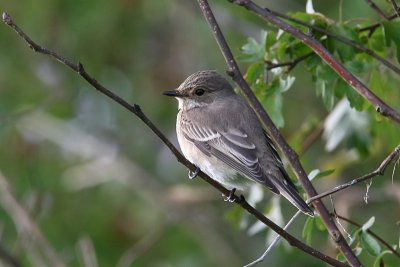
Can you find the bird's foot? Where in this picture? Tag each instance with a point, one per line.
(231, 197)
(193, 174)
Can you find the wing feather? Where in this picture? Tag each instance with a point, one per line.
(233, 148)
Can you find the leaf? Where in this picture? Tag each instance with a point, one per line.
(316, 173)
(368, 224)
(344, 51)
(307, 230)
(392, 30)
(313, 174)
(378, 259)
(326, 93)
(254, 72)
(370, 244)
(252, 51)
(319, 223)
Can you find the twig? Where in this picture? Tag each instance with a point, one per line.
(380, 106)
(395, 7)
(234, 72)
(378, 172)
(135, 109)
(395, 252)
(340, 38)
(312, 137)
(274, 242)
(372, 27)
(290, 64)
(377, 9)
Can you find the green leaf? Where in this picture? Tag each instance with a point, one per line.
(326, 93)
(392, 33)
(368, 224)
(319, 223)
(273, 105)
(378, 259)
(377, 40)
(344, 51)
(252, 51)
(370, 244)
(254, 72)
(307, 230)
(316, 173)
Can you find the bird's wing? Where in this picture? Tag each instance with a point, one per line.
(232, 147)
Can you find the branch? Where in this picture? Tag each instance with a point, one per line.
(369, 232)
(340, 38)
(290, 154)
(395, 7)
(378, 172)
(372, 27)
(290, 64)
(135, 109)
(377, 9)
(380, 106)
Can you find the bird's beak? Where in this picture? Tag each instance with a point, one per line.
(173, 93)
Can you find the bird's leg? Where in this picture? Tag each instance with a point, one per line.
(230, 198)
(193, 174)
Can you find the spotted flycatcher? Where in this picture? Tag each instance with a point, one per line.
(219, 133)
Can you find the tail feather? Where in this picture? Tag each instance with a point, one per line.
(288, 190)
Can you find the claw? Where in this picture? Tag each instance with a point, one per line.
(230, 198)
(193, 174)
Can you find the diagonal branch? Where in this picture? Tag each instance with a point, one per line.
(378, 172)
(395, 7)
(135, 109)
(276, 135)
(377, 9)
(380, 106)
(340, 38)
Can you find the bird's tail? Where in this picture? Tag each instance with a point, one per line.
(289, 191)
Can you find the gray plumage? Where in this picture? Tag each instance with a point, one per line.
(218, 132)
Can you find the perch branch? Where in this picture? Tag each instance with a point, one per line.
(290, 154)
(135, 109)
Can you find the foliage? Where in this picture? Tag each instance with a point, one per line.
(97, 184)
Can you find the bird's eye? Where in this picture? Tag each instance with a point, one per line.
(199, 92)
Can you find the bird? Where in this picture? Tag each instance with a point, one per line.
(221, 134)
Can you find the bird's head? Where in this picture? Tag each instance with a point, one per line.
(200, 89)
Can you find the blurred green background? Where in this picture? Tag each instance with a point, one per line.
(99, 185)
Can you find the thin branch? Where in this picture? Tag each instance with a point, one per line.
(386, 244)
(378, 172)
(377, 9)
(395, 7)
(372, 27)
(340, 38)
(290, 64)
(290, 154)
(135, 109)
(312, 137)
(274, 241)
(380, 106)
